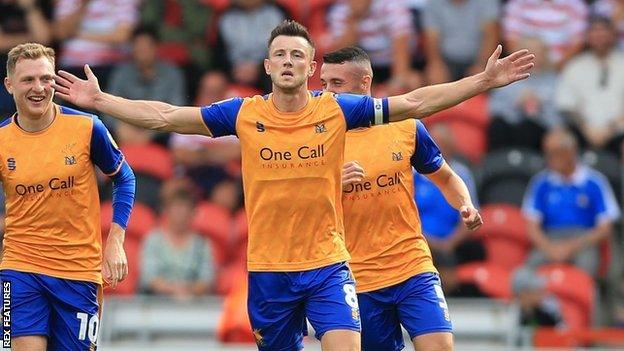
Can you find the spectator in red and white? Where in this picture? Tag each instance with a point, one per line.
(460, 36)
(384, 29)
(591, 89)
(559, 23)
(96, 32)
(614, 9)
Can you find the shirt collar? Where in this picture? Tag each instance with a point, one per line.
(578, 178)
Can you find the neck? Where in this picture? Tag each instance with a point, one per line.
(290, 101)
(32, 125)
(147, 71)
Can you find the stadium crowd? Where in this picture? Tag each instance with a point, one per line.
(543, 156)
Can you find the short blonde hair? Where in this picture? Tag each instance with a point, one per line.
(31, 51)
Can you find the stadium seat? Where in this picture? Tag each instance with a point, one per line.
(491, 279)
(575, 289)
(473, 111)
(506, 173)
(234, 326)
(473, 139)
(242, 90)
(142, 220)
(215, 223)
(604, 337)
(504, 235)
(151, 159)
(607, 164)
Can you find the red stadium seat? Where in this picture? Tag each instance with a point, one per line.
(151, 159)
(504, 235)
(473, 139)
(473, 111)
(492, 280)
(142, 220)
(130, 285)
(215, 223)
(575, 290)
(234, 326)
(549, 337)
(242, 90)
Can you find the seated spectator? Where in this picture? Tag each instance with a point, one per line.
(245, 28)
(176, 261)
(21, 21)
(559, 23)
(614, 10)
(537, 307)
(591, 89)
(448, 238)
(522, 113)
(146, 77)
(383, 28)
(95, 32)
(460, 36)
(570, 208)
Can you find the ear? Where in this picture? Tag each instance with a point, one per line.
(367, 81)
(313, 65)
(7, 85)
(267, 67)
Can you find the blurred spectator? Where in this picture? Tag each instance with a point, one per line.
(537, 307)
(384, 29)
(521, 113)
(146, 77)
(447, 236)
(245, 28)
(460, 37)
(184, 29)
(591, 89)
(559, 23)
(207, 161)
(613, 9)
(95, 32)
(21, 21)
(176, 261)
(570, 208)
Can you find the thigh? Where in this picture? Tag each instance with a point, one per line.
(422, 307)
(276, 312)
(588, 259)
(25, 300)
(75, 314)
(381, 329)
(535, 259)
(331, 302)
(434, 342)
(28, 343)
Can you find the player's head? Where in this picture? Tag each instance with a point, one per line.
(290, 59)
(30, 75)
(347, 70)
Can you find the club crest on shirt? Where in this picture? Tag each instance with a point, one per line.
(70, 160)
(320, 128)
(397, 156)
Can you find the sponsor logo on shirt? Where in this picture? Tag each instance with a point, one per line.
(11, 164)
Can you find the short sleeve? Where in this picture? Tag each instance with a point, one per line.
(427, 157)
(533, 205)
(362, 110)
(104, 151)
(220, 117)
(604, 203)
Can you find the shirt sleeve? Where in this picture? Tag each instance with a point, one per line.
(104, 151)
(362, 110)
(605, 205)
(427, 156)
(533, 205)
(220, 117)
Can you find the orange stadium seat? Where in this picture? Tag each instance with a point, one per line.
(575, 289)
(151, 159)
(504, 235)
(142, 220)
(492, 280)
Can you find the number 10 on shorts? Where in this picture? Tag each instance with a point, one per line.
(88, 326)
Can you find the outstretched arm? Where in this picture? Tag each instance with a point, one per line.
(498, 72)
(456, 193)
(146, 114)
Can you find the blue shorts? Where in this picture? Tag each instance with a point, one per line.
(280, 302)
(418, 304)
(66, 311)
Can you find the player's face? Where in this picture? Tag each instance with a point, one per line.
(31, 86)
(290, 62)
(343, 78)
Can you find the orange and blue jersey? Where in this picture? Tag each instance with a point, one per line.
(382, 225)
(291, 164)
(52, 200)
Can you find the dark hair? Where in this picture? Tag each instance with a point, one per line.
(290, 28)
(346, 54)
(150, 31)
(600, 19)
